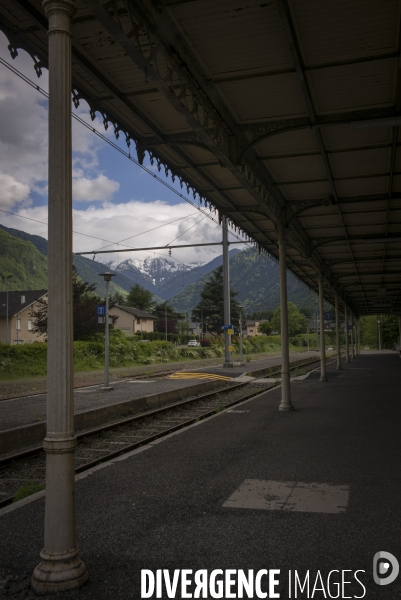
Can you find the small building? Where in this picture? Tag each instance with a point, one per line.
(252, 328)
(20, 322)
(132, 320)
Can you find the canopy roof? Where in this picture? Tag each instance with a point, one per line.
(279, 113)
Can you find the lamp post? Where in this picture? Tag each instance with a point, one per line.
(107, 277)
(307, 334)
(241, 356)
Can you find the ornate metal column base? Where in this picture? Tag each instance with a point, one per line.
(58, 573)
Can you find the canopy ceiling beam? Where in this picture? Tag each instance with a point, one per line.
(292, 41)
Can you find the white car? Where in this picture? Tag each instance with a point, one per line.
(193, 343)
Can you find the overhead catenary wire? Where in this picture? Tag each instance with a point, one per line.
(114, 145)
(127, 155)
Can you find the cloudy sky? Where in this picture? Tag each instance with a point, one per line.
(115, 202)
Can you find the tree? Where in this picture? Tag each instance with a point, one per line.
(84, 301)
(265, 327)
(162, 310)
(306, 311)
(260, 314)
(118, 299)
(388, 331)
(140, 298)
(212, 303)
(296, 320)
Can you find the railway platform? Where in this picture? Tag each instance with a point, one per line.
(31, 409)
(307, 493)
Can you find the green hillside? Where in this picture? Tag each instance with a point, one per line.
(256, 279)
(24, 262)
(25, 258)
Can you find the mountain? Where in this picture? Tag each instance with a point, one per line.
(24, 256)
(21, 259)
(257, 281)
(167, 276)
(253, 276)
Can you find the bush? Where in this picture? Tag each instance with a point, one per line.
(205, 343)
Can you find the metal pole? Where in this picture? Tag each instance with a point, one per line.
(7, 332)
(352, 336)
(60, 569)
(165, 318)
(399, 333)
(339, 367)
(7, 318)
(226, 288)
(241, 356)
(106, 342)
(347, 358)
(323, 376)
(358, 337)
(286, 403)
(201, 333)
(380, 341)
(316, 323)
(307, 334)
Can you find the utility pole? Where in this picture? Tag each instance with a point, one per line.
(241, 357)
(226, 293)
(316, 325)
(165, 317)
(107, 277)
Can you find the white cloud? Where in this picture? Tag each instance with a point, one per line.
(99, 188)
(24, 135)
(104, 225)
(12, 191)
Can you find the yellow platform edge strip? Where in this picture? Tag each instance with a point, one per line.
(184, 375)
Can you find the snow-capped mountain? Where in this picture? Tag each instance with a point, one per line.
(159, 272)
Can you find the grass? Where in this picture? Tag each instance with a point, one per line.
(32, 487)
(30, 360)
(219, 407)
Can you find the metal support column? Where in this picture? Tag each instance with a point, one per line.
(226, 286)
(352, 337)
(323, 376)
(358, 337)
(399, 334)
(286, 403)
(347, 358)
(60, 569)
(339, 367)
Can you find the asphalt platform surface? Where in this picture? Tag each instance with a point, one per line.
(163, 507)
(17, 412)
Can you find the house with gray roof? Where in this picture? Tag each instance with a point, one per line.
(16, 323)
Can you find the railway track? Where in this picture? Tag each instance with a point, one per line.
(109, 441)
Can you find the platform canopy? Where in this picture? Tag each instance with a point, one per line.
(284, 113)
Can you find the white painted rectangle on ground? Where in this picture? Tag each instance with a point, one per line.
(290, 496)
